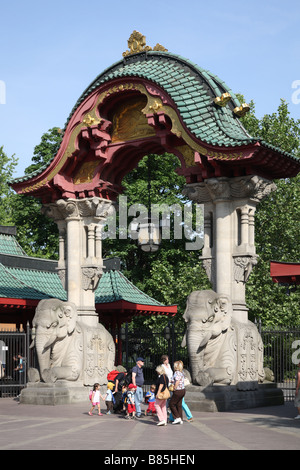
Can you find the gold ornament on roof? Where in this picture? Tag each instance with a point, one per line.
(137, 43)
(223, 99)
(90, 121)
(240, 111)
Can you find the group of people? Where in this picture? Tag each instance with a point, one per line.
(165, 396)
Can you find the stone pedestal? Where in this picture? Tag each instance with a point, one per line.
(228, 398)
(59, 393)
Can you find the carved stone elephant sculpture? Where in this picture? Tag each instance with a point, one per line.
(68, 349)
(221, 349)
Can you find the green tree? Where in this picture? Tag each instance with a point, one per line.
(36, 233)
(7, 168)
(45, 151)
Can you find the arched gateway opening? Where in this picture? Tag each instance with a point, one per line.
(152, 102)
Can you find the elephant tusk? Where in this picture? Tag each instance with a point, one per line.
(183, 343)
(205, 339)
(50, 342)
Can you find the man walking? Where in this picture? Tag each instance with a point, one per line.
(138, 380)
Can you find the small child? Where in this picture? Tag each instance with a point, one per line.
(109, 398)
(150, 399)
(124, 398)
(96, 399)
(131, 401)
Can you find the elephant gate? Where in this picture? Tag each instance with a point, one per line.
(152, 102)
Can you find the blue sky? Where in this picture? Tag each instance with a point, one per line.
(52, 50)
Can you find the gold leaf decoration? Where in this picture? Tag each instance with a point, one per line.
(240, 111)
(137, 43)
(223, 99)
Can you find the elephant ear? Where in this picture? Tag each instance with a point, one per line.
(70, 312)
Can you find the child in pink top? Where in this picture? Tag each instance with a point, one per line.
(96, 399)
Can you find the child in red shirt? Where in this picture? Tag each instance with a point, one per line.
(130, 401)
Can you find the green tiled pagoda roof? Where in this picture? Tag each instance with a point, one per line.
(45, 282)
(14, 288)
(35, 284)
(10, 246)
(193, 90)
(114, 286)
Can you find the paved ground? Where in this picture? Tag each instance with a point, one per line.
(29, 427)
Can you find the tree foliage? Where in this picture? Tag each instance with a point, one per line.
(7, 168)
(37, 234)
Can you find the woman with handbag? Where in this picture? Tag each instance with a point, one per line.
(178, 393)
(161, 395)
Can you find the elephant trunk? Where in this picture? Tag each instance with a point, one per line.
(196, 340)
(43, 352)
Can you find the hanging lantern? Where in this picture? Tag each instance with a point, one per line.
(149, 237)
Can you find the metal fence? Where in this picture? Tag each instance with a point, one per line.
(13, 362)
(281, 355)
(151, 345)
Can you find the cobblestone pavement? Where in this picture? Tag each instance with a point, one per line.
(29, 427)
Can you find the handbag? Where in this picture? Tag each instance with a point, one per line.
(165, 394)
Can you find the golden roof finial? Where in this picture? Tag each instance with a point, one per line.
(137, 43)
(223, 99)
(240, 111)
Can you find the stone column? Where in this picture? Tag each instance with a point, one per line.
(80, 264)
(222, 243)
(229, 251)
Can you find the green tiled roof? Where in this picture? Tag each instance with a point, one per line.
(14, 288)
(192, 89)
(114, 286)
(45, 282)
(20, 283)
(10, 246)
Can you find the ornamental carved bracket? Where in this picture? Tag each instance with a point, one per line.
(214, 189)
(243, 266)
(97, 135)
(71, 208)
(91, 276)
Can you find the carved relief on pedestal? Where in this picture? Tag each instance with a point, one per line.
(99, 355)
(250, 353)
